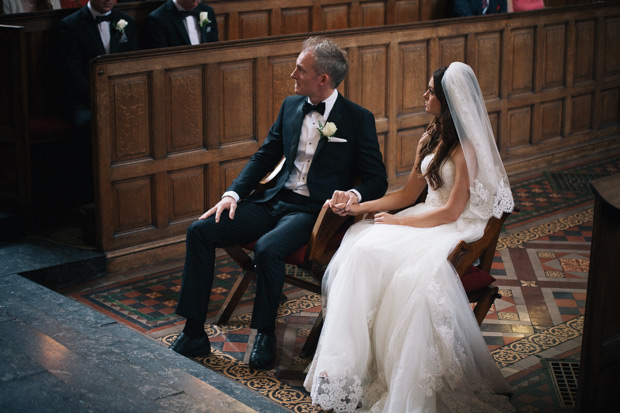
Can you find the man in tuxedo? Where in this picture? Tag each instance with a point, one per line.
(317, 166)
(460, 8)
(95, 29)
(180, 23)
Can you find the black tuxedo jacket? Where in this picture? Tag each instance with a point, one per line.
(459, 8)
(166, 27)
(79, 42)
(335, 165)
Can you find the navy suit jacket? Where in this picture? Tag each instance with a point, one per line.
(335, 165)
(79, 42)
(166, 27)
(460, 8)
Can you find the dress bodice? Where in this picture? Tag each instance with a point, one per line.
(438, 197)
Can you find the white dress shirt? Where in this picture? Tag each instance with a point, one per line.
(191, 25)
(104, 28)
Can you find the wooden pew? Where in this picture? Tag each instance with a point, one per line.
(175, 127)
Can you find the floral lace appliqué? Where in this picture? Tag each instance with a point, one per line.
(340, 394)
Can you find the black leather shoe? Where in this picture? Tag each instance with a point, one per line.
(264, 351)
(191, 347)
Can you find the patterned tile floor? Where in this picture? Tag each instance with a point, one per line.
(541, 267)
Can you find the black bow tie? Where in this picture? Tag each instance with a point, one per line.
(308, 107)
(103, 18)
(186, 13)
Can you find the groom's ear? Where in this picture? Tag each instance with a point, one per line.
(325, 79)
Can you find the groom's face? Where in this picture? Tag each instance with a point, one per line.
(307, 81)
(102, 6)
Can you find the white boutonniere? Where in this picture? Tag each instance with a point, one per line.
(327, 130)
(204, 18)
(120, 25)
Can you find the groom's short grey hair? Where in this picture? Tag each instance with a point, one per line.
(328, 58)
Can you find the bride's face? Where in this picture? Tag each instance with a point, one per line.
(432, 105)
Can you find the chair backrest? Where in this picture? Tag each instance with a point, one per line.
(465, 254)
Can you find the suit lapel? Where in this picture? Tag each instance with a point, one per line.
(296, 124)
(334, 116)
(92, 29)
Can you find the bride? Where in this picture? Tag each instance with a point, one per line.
(399, 334)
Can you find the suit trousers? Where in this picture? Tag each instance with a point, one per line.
(281, 226)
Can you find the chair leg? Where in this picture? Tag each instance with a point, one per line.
(234, 296)
(313, 338)
(484, 303)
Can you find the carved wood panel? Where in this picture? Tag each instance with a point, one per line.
(413, 60)
(296, 20)
(612, 57)
(373, 68)
(582, 114)
(551, 115)
(335, 17)
(585, 32)
(554, 51)
(130, 123)
(236, 91)
(132, 205)
(522, 49)
(186, 192)
(373, 13)
(254, 24)
(488, 63)
(610, 107)
(184, 92)
(407, 11)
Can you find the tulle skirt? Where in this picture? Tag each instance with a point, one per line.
(399, 333)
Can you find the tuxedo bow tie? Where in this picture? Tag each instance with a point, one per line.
(104, 18)
(308, 107)
(186, 13)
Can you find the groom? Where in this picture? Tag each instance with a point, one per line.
(281, 218)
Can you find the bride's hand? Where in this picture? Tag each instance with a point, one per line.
(386, 218)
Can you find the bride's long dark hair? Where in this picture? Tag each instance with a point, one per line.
(442, 136)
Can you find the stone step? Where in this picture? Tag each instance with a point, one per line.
(101, 364)
(52, 264)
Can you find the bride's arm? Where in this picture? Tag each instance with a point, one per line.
(401, 198)
(459, 195)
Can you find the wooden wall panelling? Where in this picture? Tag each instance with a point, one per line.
(540, 105)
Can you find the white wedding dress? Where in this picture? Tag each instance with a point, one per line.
(399, 333)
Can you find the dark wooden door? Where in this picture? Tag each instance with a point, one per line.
(599, 377)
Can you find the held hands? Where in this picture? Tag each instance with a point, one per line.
(226, 203)
(343, 203)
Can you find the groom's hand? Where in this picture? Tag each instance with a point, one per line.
(341, 202)
(226, 203)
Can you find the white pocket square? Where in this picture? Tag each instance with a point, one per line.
(337, 140)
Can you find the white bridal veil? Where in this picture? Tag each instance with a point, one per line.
(490, 193)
